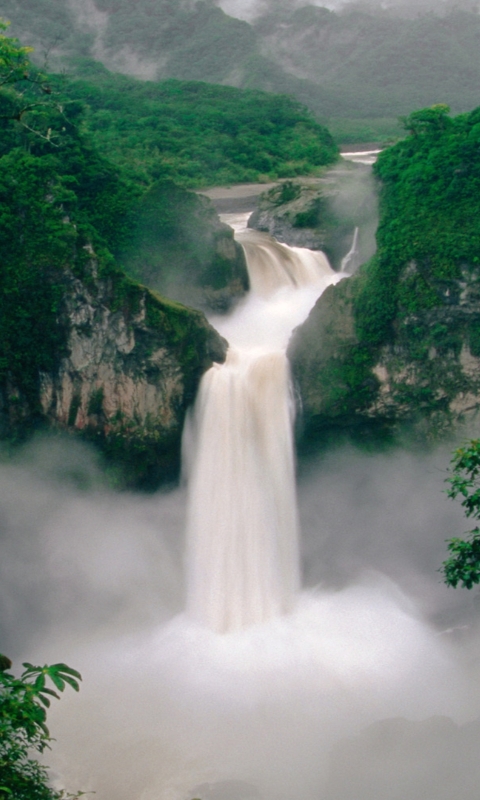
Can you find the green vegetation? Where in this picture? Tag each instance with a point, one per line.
(61, 199)
(197, 134)
(59, 195)
(411, 312)
(463, 565)
(428, 242)
(429, 227)
(23, 728)
(361, 67)
(65, 213)
(57, 198)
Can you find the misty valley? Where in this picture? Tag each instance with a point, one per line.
(239, 391)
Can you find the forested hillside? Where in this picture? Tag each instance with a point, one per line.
(357, 69)
(90, 183)
(197, 134)
(401, 339)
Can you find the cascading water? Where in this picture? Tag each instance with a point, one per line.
(243, 564)
(170, 709)
(351, 261)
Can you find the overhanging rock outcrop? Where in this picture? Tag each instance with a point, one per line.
(127, 369)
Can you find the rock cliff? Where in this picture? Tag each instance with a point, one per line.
(400, 341)
(322, 213)
(84, 348)
(427, 375)
(123, 375)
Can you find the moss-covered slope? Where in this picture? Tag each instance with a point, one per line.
(407, 347)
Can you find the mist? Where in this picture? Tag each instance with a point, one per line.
(250, 10)
(169, 709)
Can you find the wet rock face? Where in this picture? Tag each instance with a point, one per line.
(428, 373)
(322, 213)
(126, 376)
(292, 214)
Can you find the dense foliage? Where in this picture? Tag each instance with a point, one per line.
(428, 242)
(413, 308)
(463, 565)
(198, 134)
(357, 68)
(23, 704)
(429, 225)
(57, 196)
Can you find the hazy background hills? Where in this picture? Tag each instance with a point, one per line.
(358, 67)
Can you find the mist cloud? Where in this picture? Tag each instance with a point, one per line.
(169, 710)
(251, 9)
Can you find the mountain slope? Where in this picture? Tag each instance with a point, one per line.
(355, 64)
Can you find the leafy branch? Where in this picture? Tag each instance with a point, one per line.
(24, 90)
(463, 565)
(23, 704)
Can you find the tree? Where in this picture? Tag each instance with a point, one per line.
(463, 565)
(428, 120)
(23, 704)
(26, 98)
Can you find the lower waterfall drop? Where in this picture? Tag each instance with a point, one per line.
(242, 528)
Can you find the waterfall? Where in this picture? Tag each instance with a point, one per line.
(351, 261)
(242, 528)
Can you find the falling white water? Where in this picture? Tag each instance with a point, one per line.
(243, 563)
(351, 261)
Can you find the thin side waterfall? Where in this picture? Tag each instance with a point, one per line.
(351, 261)
(242, 529)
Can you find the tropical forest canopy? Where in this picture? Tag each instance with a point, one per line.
(195, 133)
(357, 69)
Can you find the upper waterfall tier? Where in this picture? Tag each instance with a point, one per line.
(272, 265)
